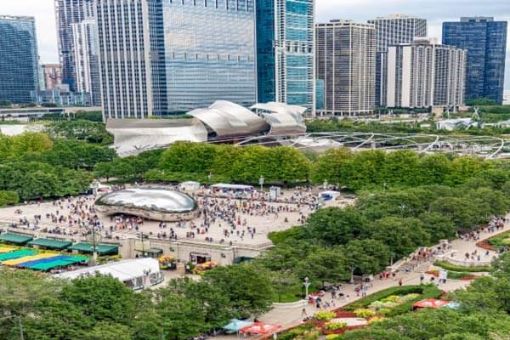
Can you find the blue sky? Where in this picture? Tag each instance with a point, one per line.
(435, 11)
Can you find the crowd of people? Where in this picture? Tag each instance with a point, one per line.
(222, 217)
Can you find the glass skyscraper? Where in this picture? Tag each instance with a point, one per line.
(285, 51)
(69, 12)
(19, 61)
(485, 41)
(202, 51)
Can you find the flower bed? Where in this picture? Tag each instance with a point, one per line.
(496, 242)
(395, 301)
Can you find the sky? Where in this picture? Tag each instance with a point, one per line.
(435, 11)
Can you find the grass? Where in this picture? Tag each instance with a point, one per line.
(425, 291)
(467, 269)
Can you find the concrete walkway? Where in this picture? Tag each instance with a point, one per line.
(291, 315)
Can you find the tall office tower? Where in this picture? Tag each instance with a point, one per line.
(124, 55)
(285, 51)
(485, 41)
(69, 12)
(393, 30)
(346, 63)
(19, 61)
(202, 51)
(86, 59)
(52, 76)
(425, 74)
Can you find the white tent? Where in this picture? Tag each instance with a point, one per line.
(136, 273)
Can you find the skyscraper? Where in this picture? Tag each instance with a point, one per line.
(69, 12)
(202, 51)
(124, 54)
(485, 41)
(86, 59)
(19, 61)
(393, 30)
(165, 57)
(425, 74)
(346, 64)
(285, 51)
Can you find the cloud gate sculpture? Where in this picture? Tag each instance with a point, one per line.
(156, 204)
(222, 121)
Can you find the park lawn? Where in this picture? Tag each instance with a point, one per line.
(425, 291)
(466, 269)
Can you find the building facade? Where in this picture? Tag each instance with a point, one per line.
(69, 12)
(393, 30)
(202, 51)
(425, 74)
(19, 60)
(124, 58)
(345, 62)
(52, 76)
(86, 59)
(285, 52)
(485, 41)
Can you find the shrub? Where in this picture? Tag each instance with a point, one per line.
(336, 325)
(324, 315)
(470, 269)
(364, 313)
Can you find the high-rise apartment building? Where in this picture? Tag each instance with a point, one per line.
(485, 41)
(69, 12)
(86, 59)
(19, 60)
(202, 51)
(124, 54)
(285, 51)
(425, 74)
(345, 62)
(52, 76)
(393, 30)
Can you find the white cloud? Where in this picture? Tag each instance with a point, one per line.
(44, 13)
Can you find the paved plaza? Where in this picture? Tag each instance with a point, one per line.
(229, 220)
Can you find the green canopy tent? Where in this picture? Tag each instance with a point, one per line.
(13, 238)
(101, 249)
(50, 243)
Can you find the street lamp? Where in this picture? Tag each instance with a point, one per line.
(306, 283)
(261, 182)
(325, 184)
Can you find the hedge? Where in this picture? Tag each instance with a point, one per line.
(457, 268)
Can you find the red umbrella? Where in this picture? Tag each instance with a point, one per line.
(260, 328)
(430, 303)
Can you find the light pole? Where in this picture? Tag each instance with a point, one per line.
(261, 182)
(306, 283)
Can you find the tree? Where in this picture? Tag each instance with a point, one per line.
(332, 166)
(102, 298)
(463, 211)
(82, 130)
(367, 256)
(324, 265)
(248, 290)
(401, 235)
(334, 226)
(438, 226)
